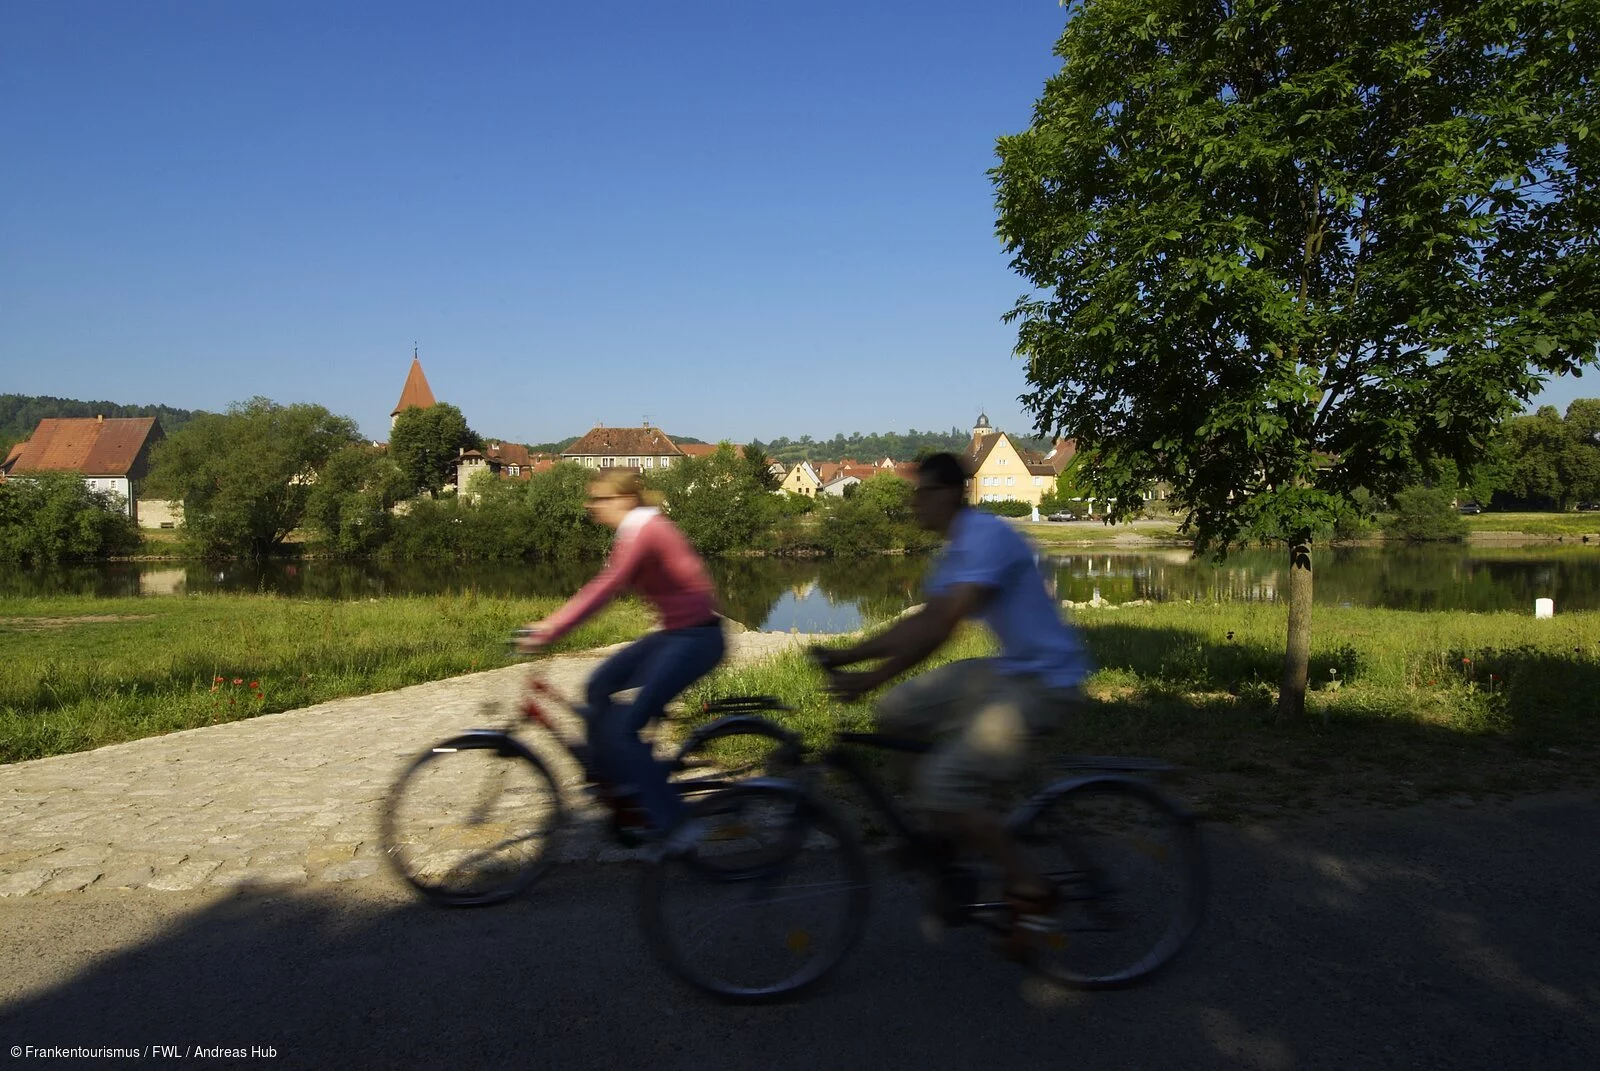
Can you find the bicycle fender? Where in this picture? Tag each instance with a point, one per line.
(734, 724)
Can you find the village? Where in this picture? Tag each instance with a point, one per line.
(114, 455)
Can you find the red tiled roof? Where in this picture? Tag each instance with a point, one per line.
(1061, 454)
(614, 442)
(90, 445)
(509, 454)
(698, 449)
(416, 391)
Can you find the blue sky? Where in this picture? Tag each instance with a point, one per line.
(739, 219)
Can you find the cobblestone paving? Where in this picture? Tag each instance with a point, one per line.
(283, 799)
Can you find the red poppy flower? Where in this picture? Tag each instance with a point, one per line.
(238, 680)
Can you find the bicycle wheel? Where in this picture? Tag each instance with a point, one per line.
(1130, 869)
(471, 821)
(744, 926)
(737, 748)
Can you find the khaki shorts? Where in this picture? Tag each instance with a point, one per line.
(988, 721)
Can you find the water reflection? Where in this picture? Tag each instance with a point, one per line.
(824, 595)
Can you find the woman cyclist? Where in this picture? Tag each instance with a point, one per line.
(653, 559)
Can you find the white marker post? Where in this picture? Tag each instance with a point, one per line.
(1544, 608)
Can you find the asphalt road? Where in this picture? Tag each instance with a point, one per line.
(1433, 937)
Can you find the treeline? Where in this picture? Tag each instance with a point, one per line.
(253, 476)
(21, 413)
(909, 446)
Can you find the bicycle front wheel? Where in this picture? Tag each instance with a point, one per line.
(1130, 871)
(472, 820)
(747, 924)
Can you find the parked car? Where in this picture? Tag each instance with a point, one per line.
(1062, 516)
(1471, 508)
(1589, 507)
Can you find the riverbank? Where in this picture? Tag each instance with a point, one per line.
(1404, 706)
(79, 673)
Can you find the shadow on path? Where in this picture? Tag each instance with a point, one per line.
(1430, 937)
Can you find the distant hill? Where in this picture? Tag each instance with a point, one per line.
(561, 444)
(21, 413)
(891, 444)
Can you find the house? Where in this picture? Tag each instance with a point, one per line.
(508, 461)
(840, 483)
(802, 480)
(1001, 471)
(110, 455)
(416, 392)
(644, 449)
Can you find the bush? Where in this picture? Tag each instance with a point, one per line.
(876, 518)
(1424, 515)
(1007, 509)
(55, 516)
(718, 501)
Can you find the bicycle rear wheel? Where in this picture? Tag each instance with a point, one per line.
(1130, 870)
(747, 924)
(471, 821)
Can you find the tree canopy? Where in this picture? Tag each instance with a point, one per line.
(426, 443)
(246, 476)
(1285, 252)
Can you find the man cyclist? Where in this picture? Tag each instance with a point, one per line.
(986, 710)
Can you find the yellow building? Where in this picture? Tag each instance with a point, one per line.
(802, 480)
(1001, 471)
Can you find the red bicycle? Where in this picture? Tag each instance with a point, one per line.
(478, 818)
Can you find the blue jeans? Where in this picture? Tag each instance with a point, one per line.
(660, 665)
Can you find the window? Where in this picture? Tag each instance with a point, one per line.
(606, 463)
(649, 462)
(1011, 481)
(1038, 481)
(1000, 461)
(633, 463)
(666, 461)
(513, 470)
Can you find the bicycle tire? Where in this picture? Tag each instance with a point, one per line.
(508, 799)
(1057, 827)
(772, 751)
(823, 859)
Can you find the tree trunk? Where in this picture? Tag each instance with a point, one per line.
(1297, 652)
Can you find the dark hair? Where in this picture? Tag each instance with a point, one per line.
(943, 470)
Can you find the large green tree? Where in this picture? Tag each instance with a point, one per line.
(425, 443)
(1550, 462)
(245, 476)
(717, 500)
(1283, 251)
(352, 501)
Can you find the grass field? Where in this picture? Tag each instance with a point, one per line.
(1403, 705)
(1537, 524)
(77, 673)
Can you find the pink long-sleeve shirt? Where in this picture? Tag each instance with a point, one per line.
(650, 557)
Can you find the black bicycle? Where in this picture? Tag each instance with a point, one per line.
(477, 818)
(1126, 859)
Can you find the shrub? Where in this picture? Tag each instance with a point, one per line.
(55, 516)
(1425, 514)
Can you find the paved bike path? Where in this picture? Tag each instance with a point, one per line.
(283, 799)
(1427, 938)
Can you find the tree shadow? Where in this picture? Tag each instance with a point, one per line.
(1394, 940)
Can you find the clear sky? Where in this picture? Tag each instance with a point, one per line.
(740, 219)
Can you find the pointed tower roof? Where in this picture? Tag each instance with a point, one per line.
(416, 391)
